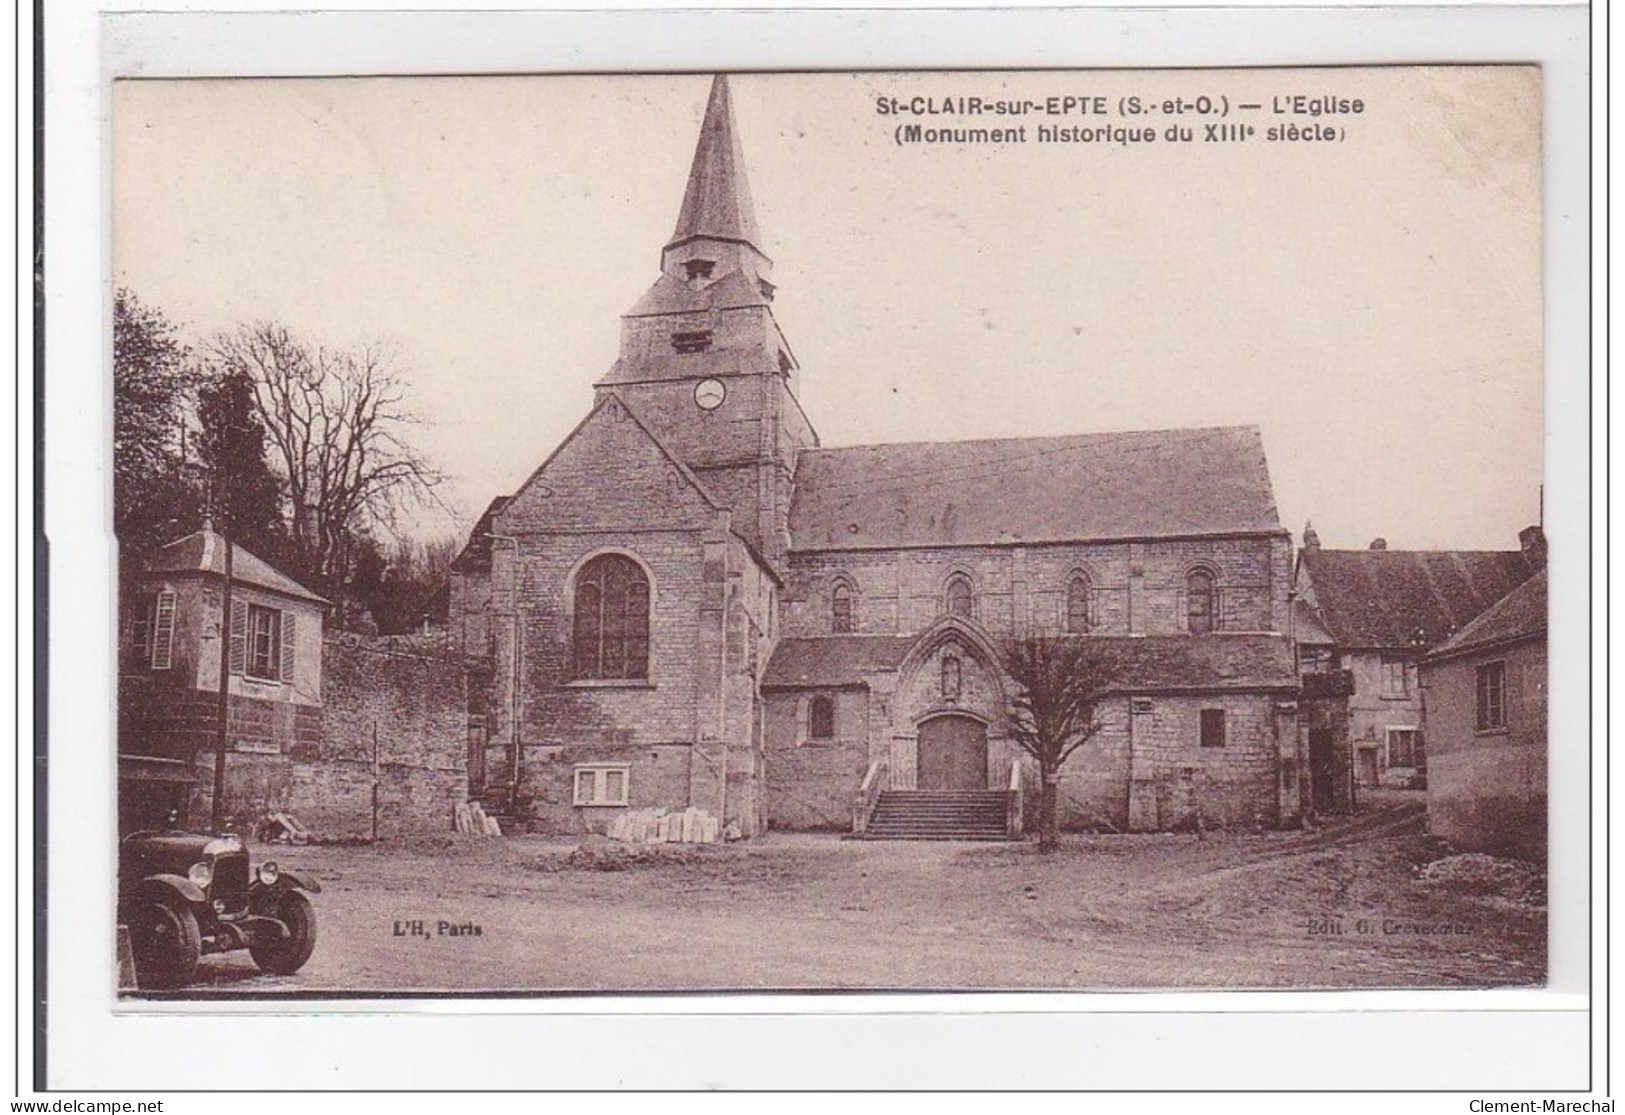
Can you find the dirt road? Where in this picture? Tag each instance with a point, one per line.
(1341, 907)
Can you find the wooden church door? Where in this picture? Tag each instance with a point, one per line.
(952, 754)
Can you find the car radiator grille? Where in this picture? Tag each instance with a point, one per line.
(231, 883)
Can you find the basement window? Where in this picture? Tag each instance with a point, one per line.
(697, 340)
(603, 784)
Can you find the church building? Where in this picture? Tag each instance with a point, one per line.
(692, 603)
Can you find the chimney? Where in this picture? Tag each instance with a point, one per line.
(1378, 544)
(1311, 540)
(1533, 541)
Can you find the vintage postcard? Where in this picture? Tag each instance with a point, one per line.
(1051, 530)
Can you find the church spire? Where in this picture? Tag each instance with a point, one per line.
(716, 204)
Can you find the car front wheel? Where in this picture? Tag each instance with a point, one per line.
(285, 955)
(166, 944)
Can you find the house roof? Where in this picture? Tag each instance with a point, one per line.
(204, 551)
(830, 661)
(1395, 598)
(1519, 615)
(476, 555)
(1307, 628)
(1143, 484)
(1148, 663)
(1205, 662)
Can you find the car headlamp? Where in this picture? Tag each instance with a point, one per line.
(201, 874)
(268, 873)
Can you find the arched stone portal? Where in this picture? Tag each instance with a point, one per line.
(952, 753)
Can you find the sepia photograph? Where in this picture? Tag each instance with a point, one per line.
(1007, 530)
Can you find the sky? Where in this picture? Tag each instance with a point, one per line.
(1372, 303)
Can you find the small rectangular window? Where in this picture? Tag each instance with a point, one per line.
(1395, 677)
(1403, 747)
(602, 784)
(264, 643)
(1492, 696)
(1213, 727)
(821, 718)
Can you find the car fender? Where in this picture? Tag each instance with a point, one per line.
(262, 899)
(300, 882)
(168, 887)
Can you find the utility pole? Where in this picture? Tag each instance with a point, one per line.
(217, 811)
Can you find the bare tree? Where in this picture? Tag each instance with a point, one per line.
(1060, 681)
(334, 421)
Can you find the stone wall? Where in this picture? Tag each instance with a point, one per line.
(658, 775)
(386, 756)
(811, 783)
(1177, 784)
(397, 707)
(1136, 587)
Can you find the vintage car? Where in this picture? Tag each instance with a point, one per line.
(184, 894)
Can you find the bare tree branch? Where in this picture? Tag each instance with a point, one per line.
(1060, 681)
(334, 422)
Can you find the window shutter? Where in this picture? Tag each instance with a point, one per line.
(285, 658)
(239, 637)
(163, 633)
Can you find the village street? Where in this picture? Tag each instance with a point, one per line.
(1338, 907)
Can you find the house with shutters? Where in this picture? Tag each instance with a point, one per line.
(170, 658)
(353, 735)
(692, 602)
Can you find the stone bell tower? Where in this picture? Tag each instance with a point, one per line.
(703, 362)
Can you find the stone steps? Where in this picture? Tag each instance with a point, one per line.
(938, 815)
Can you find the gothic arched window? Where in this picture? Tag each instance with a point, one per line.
(612, 619)
(1078, 619)
(959, 596)
(840, 609)
(821, 718)
(1200, 597)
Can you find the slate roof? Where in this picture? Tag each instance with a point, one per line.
(670, 295)
(1142, 484)
(1148, 663)
(1183, 662)
(1307, 626)
(1384, 598)
(717, 202)
(476, 556)
(205, 552)
(832, 661)
(1519, 615)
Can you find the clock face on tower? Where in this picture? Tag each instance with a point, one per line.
(709, 393)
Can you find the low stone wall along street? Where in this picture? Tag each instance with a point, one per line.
(385, 755)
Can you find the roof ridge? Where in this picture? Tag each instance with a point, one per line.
(958, 442)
